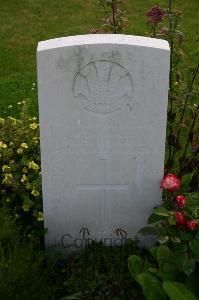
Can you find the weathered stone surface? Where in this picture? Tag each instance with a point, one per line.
(103, 107)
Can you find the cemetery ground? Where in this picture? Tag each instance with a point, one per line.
(170, 269)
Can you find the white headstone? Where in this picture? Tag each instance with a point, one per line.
(103, 107)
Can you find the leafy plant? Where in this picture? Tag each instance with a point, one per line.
(156, 277)
(115, 18)
(26, 271)
(178, 291)
(20, 177)
(101, 272)
(176, 254)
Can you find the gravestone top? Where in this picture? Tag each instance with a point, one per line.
(103, 112)
(88, 39)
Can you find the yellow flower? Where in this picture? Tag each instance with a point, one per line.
(2, 121)
(13, 120)
(25, 170)
(35, 193)
(24, 145)
(26, 207)
(34, 125)
(40, 217)
(8, 178)
(33, 119)
(11, 144)
(33, 165)
(19, 151)
(35, 141)
(5, 168)
(2, 145)
(24, 178)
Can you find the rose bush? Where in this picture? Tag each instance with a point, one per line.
(175, 256)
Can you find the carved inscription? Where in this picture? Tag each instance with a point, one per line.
(103, 87)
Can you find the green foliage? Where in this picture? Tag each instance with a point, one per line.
(178, 291)
(101, 272)
(176, 222)
(156, 277)
(26, 271)
(20, 175)
(152, 287)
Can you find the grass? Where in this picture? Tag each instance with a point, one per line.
(25, 22)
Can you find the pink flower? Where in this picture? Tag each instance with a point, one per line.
(155, 14)
(180, 200)
(180, 218)
(170, 183)
(191, 224)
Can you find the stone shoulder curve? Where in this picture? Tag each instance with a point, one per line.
(92, 39)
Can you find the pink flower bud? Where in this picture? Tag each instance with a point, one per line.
(180, 218)
(180, 200)
(191, 224)
(171, 183)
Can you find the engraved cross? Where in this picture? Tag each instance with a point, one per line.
(104, 188)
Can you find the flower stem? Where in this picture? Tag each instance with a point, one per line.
(171, 83)
(170, 1)
(187, 144)
(184, 108)
(113, 16)
(106, 12)
(154, 30)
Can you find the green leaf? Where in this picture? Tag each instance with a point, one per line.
(178, 291)
(153, 251)
(148, 230)
(172, 220)
(185, 188)
(185, 236)
(185, 263)
(186, 179)
(192, 199)
(194, 196)
(180, 248)
(154, 218)
(194, 246)
(163, 253)
(135, 264)
(152, 287)
(161, 211)
(166, 263)
(188, 266)
(197, 236)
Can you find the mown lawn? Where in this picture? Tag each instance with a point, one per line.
(25, 22)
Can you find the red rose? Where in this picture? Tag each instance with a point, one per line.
(170, 183)
(191, 224)
(181, 200)
(180, 218)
